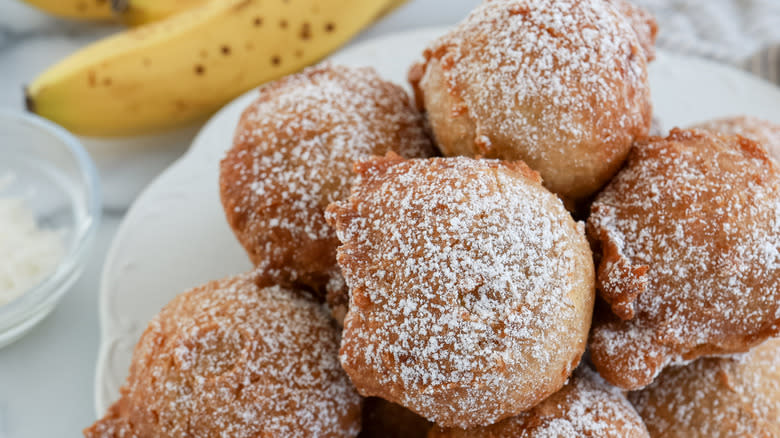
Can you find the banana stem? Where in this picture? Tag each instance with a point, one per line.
(29, 103)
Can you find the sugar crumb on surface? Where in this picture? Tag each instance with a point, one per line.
(754, 128)
(560, 84)
(586, 407)
(292, 156)
(230, 359)
(702, 213)
(716, 397)
(465, 275)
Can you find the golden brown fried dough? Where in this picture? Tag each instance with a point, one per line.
(292, 156)
(585, 407)
(234, 359)
(382, 419)
(559, 84)
(688, 236)
(643, 23)
(471, 287)
(716, 398)
(758, 130)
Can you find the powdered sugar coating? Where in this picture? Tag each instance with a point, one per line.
(758, 130)
(559, 84)
(292, 156)
(471, 287)
(586, 407)
(689, 237)
(643, 23)
(231, 359)
(716, 398)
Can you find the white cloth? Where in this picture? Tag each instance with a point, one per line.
(745, 33)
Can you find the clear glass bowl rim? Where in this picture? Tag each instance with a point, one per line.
(46, 293)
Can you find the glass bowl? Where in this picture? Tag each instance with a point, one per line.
(49, 170)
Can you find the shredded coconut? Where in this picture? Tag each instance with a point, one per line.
(29, 253)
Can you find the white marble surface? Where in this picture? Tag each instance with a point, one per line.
(46, 378)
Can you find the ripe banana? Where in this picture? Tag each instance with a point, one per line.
(137, 12)
(78, 9)
(184, 68)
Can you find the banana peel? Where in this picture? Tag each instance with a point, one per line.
(94, 10)
(140, 12)
(179, 70)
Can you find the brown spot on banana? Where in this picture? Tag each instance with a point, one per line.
(305, 31)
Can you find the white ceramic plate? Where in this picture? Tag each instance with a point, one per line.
(175, 237)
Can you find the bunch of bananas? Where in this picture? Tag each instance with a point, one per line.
(186, 58)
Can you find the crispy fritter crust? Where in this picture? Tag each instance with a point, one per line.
(586, 407)
(716, 397)
(471, 287)
(559, 84)
(759, 130)
(234, 359)
(687, 236)
(292, 155)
